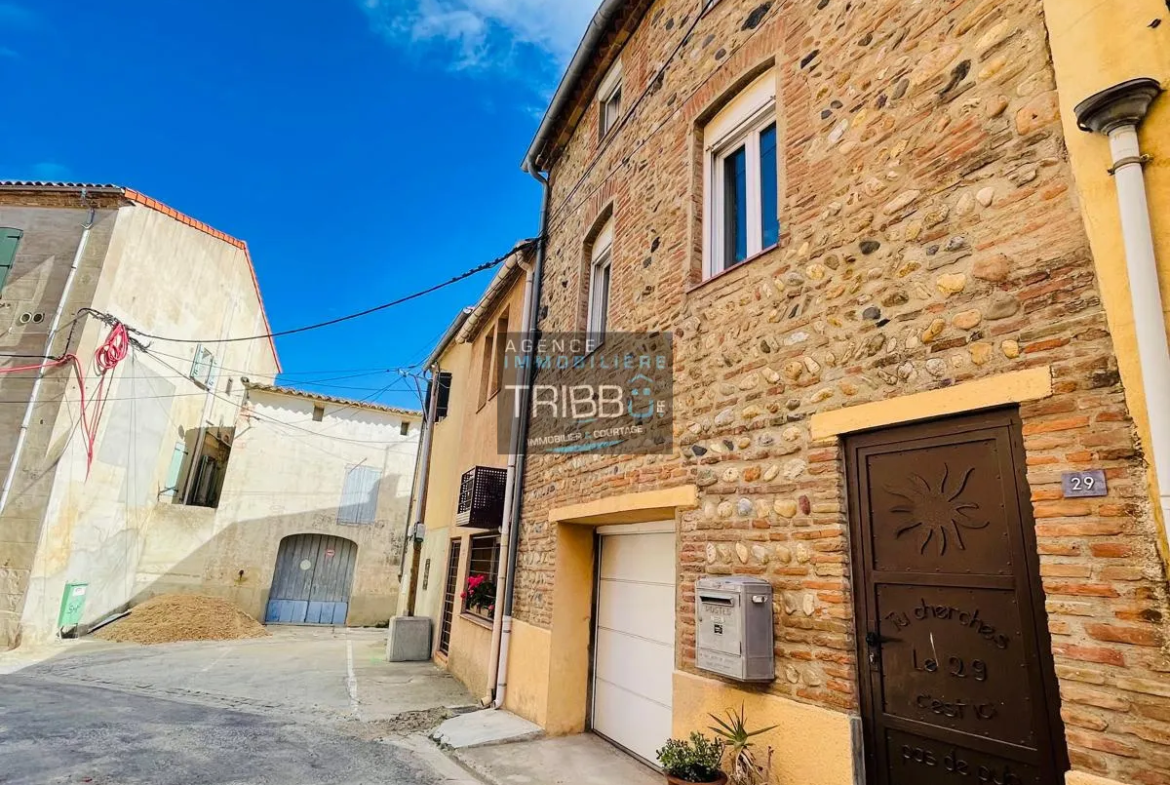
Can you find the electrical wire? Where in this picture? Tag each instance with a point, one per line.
(267, 371)
(329, 323)
(303, 430)
(112, 351)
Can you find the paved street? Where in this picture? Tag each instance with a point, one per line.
(306, 706)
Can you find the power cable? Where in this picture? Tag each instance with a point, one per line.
(266, 371)
(329, 323)
(294, 427)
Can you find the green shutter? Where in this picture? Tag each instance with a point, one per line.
(9, 240)
(177, 458)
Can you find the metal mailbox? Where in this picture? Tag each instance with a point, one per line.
(734, 624)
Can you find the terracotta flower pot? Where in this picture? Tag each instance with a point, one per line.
(722, 780)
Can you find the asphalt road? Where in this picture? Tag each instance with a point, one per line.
(53, 733)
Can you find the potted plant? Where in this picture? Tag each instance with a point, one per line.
(737, 738)
(694, 761)
(479, 594)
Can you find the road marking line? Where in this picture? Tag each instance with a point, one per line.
(351, 680)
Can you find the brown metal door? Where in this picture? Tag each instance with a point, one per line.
(957, 678)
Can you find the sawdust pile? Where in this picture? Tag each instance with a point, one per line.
(169, 618)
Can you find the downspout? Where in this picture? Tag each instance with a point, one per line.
(1117, 112)
(513, 503)
(509, 492)
(423, 483)
(414, 480)
(56, 324)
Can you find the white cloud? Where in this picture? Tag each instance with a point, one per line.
(51, 171)
(486, 35)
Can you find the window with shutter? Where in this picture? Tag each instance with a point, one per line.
(176, 468)
(359, 496)
(444, 401)
(9, 240)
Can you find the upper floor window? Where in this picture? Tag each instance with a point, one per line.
(9, 240)
(609, 99)
(741, 178)
(203, 367)
(599, 282)
(495, 351)
(359, 495)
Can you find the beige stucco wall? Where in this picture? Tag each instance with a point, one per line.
(165, 277)
(1097, 44)
(285, 477)
(464, 439)
(442, 493)
(811, 745)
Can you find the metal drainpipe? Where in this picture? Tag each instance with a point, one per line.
(32, 399)
(1117, 112)
(418, 456)
(520, 438)
(423, 481)
(509, 492)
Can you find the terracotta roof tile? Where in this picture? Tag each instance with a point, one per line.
(277, 389)
(154, 204)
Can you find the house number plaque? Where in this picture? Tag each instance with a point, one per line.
(1079, 485)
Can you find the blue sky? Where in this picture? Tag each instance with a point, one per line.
(365, 149)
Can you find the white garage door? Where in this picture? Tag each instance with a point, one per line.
(634, 642)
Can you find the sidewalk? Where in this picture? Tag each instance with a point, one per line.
(503, 749)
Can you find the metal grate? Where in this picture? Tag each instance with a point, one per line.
(481, 498)
(450, 591)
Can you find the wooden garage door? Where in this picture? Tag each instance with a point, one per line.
(312, 581)
(633, 660)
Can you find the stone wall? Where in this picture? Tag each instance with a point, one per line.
(930, 236)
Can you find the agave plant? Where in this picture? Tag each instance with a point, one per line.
(744, 768)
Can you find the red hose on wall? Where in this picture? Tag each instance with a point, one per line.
(109, 354)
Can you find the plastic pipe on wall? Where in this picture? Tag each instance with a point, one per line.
(509, 493)
(520, 435)
(423, 480)
(1117, 112)
(1145, 293)
(56, 324)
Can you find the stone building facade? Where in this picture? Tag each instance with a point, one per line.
(932, 261)
(88, 514)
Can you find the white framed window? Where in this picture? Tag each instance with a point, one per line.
(203, 366)
(609, 100)
(741, 178)
(600, 268)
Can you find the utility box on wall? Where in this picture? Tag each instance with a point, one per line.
(734, 628)
(72, 606)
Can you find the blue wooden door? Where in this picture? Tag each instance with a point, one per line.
(312, 582)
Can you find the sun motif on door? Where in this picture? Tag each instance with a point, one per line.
(937, 513)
